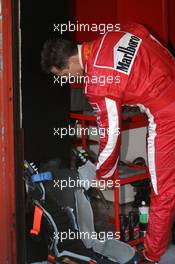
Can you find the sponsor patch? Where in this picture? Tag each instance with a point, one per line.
(97, 111)
(95, 107)
(125, 52)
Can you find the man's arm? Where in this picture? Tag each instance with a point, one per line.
(108, 112)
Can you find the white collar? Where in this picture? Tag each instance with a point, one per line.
(80, 56)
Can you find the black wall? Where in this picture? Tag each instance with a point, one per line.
(45, 105)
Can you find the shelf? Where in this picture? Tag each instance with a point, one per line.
(134, 121)
(84, 118)
(134, 173)
(81, 116)
(134, 179)
(128, 121)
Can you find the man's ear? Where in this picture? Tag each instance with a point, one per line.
(73, 59)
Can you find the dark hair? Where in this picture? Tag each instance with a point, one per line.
(56, 52)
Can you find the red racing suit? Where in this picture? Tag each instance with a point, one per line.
(131, 67)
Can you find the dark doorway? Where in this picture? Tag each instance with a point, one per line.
(45, 106)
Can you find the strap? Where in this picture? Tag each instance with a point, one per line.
(36, 221)
(92, 261)
(51, 258)
(45, 176)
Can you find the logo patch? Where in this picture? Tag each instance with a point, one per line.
(97, 111)
(125, 52)
(95, 107)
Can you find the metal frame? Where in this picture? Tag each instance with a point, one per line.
(136, 121)
(7, 189)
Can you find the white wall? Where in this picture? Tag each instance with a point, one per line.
(133, 144)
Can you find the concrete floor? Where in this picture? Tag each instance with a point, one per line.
(169, 256)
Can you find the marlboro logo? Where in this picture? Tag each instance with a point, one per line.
(125, 52)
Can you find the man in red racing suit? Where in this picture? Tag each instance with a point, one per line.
(136, 70)
(146, 72)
